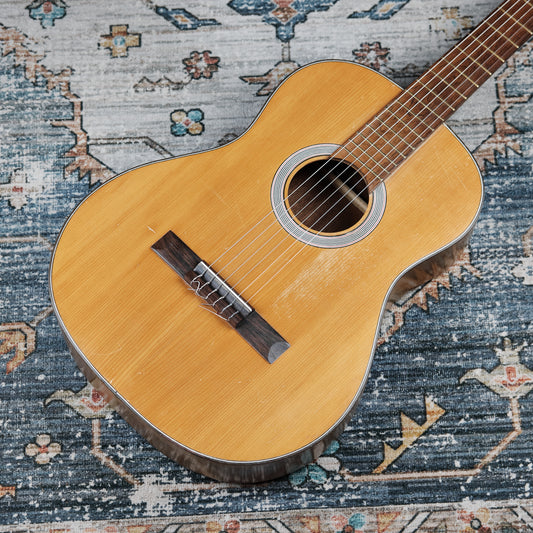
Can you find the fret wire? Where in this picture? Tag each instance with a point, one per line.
(460, 72)
(380, 136)
(412, 102)
(487, 48)
(467, 56)
(376, 175)
(359, 147)
(359, 144)
(441, 86)
(452, 98)
(434, 71)
(464, 74)
(398, 101)
(517, 21)
(475, 61)
(362, 163)
(503, 35)
(402, 122)
(394, 133)
(369, 155)
(434, 93)
(500, 41)
(394, 161)
(383, 137)
(397, 132)
(430, 71)
(481, 63)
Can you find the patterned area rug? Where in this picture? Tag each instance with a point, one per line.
(442, 439)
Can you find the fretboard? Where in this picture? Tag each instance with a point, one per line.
(407, 121)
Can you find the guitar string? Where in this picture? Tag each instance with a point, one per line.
(294, 243)
(380, 137)
(279, 270)
(236, 283)
(403, 156)
(216, 260)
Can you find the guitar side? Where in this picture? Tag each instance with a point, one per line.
(180, 375)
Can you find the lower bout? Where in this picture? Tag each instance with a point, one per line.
(219, 469)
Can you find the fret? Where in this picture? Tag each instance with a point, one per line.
(474, 61)
(503, 35)
(394, 120)
(380, 137)
(360, 161)
(392, 140)
(358, 146)
(460, 72)
(434, 94)
(406, 124)
(418, 101)
(427, 116)
(448, 85)
(487, 48)
(517, 21)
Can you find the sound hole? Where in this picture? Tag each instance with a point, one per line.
(327, 196)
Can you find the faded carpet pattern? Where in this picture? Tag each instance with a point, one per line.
(442, 438)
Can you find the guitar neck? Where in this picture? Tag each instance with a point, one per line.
(389, 138)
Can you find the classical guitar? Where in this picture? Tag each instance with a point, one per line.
(230, 300)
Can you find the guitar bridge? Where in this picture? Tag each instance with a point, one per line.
(221, 297)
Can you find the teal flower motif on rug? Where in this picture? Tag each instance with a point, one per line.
(47, 11)
(319, 471)
(354, 524)
(186, 122)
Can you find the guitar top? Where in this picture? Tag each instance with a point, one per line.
(229, 301)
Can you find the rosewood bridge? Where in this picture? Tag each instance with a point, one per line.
(218, 294)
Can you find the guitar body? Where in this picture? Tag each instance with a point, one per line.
(181, 375)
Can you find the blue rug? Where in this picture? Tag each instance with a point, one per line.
(442, 438)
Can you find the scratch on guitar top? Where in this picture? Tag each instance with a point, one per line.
(151, 229)
(226, 204)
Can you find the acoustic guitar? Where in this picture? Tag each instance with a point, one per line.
(229, 301)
